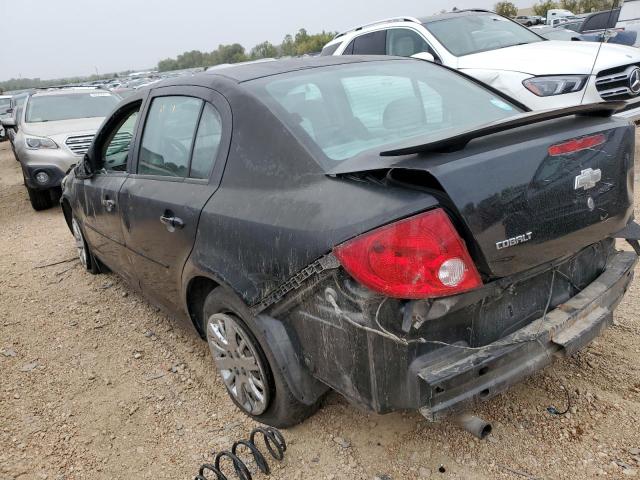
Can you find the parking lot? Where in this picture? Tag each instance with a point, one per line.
(98, 384)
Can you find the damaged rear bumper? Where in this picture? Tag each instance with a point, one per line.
(460, 376)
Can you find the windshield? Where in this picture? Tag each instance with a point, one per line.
(344, 110)
(468, 34)
(5, 104)
(51, 108)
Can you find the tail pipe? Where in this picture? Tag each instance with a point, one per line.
(476, 426)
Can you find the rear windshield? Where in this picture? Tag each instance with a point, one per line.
(469, 34)
(51, 108)
(344, 110)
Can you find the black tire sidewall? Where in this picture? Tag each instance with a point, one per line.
(40, 199)
(92, 264)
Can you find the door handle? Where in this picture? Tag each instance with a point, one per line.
(172, 223)
(108, 204)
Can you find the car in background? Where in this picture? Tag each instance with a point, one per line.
(5, 112)
(555, 33)
(558, 15)
(17, 103)
(56, 127)
(528, 20)
(541, 74)
(475, 248)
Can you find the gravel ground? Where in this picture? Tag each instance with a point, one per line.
(96, 383)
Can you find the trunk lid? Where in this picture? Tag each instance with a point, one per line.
(516, 205)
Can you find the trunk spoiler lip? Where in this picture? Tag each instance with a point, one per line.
(459, 141)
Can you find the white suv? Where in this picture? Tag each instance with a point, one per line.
(541, 74)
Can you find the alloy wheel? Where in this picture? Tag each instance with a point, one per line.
(80, 245)
(237, 359)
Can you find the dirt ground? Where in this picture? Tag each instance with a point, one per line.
(96, 383)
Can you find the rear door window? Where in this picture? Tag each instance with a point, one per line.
(373, 43)
(168, 136)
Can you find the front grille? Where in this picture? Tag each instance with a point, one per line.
(614, 83)
(79, 144)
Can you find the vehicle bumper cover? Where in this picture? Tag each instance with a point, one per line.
(55, 175)
(462, 376)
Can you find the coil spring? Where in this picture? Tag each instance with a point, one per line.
(273, 440)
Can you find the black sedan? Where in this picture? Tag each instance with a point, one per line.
(384, 227)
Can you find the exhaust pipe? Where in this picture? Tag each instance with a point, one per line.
(474, 425)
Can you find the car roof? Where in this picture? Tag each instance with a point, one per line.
(458, 13)
(67, 91)
(243, 72)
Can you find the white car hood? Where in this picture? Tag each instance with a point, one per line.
(552, 57)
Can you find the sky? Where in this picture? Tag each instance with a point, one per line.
(62, 38)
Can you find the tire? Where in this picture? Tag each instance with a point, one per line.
(40, 199)
(280, 409)
(84, 253)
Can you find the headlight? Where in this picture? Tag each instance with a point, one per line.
(36, 143)
(555, 85)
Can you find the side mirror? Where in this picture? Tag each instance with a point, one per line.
(86, 168)
(424, 56)
(8, 122)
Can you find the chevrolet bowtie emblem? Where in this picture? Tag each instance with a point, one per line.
(587, 179)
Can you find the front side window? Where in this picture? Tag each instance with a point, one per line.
(480, 32)
(346, 110)
(68, 106)
(404, 42)
(168, 135)
(116, 148)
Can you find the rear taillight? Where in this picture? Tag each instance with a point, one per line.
(576, 145)
(418, 257)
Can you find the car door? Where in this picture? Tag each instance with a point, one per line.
(184, 141)
(100, 207)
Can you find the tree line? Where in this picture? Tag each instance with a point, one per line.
(292, 45)
(299, 44)
(508, 9)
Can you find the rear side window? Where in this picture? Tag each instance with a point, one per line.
(373, 43)
(205, 148)
(329, 50)
(168, 136)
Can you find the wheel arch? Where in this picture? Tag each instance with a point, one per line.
(198, 287)
(66, 211)
(284, 348)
